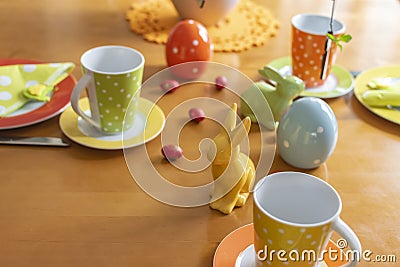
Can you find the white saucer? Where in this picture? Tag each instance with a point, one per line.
(247, 258)
(148, 124)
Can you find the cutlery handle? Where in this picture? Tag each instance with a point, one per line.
(33, 141)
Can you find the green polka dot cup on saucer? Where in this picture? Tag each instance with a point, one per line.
(294, 215)
(112, 78)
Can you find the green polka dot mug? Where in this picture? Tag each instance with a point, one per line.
(294, 215)
(112, 78)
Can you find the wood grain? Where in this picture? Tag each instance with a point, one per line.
(80, 206)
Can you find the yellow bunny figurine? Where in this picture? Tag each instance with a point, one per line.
(232, 170)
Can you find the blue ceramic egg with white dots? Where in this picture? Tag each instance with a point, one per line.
(307, 133)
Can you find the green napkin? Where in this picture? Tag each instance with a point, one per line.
(383, 92)
(26, 82)
(381, 98)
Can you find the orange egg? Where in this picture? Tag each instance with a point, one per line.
(188, 41)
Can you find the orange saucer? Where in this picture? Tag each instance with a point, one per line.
(238, 240)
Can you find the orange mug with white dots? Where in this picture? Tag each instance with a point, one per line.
(309, 35)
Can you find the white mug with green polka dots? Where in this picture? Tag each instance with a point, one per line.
(113, 78)
(294, 215)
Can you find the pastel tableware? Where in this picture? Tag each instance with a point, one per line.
(112, 77)
(237, 249)
(339, 82)
(307, 133)
(296, 213)
(148, 124)
(208, 12)
(390, 113)
(308, 47)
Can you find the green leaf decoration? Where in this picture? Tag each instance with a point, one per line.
(338, 41)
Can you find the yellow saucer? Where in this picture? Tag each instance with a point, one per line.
(149, 122)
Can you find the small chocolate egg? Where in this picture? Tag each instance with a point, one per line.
(307, 133)
(188, 41)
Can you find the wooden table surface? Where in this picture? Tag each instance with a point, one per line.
(79, 206)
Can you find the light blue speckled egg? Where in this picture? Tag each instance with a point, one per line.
(307, 133)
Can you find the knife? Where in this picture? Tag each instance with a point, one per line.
(33, 141)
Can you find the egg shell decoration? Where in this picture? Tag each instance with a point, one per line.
(307, 133)
(188, 41)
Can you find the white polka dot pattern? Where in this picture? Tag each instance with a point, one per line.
(278, 236)
(30, 83)
(29, 68)
(14, 79)
(115, 93)
(5, 96)
(286, 143)
(5, 80)
(307, 51)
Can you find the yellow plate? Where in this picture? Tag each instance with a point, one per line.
(149, 122)
(361, 86)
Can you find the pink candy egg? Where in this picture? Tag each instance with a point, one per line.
(171, 152)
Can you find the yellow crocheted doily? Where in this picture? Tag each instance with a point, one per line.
(247, 25)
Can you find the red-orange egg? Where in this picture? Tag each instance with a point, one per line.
(188, 41)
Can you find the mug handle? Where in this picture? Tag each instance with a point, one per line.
(354, 243)
(76, 93)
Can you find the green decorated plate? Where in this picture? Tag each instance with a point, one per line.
(339, 83)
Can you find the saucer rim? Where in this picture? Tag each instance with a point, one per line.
(241, 255)
(224, 240)
(281, 62)
(69, 126)
(249, 226)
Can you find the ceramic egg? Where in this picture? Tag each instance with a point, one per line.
(206, 12)
(307, 133)
(188, 41)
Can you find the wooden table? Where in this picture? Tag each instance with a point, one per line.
(79, 206)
